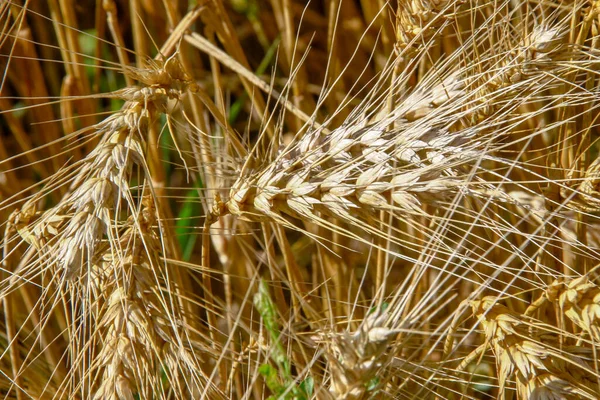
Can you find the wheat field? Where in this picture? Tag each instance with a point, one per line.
(286, 199)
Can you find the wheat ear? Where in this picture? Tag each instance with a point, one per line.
(539, 368)
(103, 258)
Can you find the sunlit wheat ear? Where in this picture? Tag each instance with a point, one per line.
(349, 172)
(416, 155)
(578, 300)
(131, 325)
(418, 21)
(100, 243)
(100, 190)
(358, 359)
(139, 332)
(357, 168)
(537, 364)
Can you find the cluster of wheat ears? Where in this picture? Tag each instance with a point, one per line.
(343, 199)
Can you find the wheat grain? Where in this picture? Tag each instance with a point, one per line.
(418, 20)
(578, 299)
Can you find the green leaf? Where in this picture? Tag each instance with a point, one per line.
(268, 312)
(269, 373)
(307, 386)
(382, 309)
(372, 384)
(279, 380)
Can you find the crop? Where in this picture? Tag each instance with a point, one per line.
(293, 200)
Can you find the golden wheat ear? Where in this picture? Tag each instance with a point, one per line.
(97, 260)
